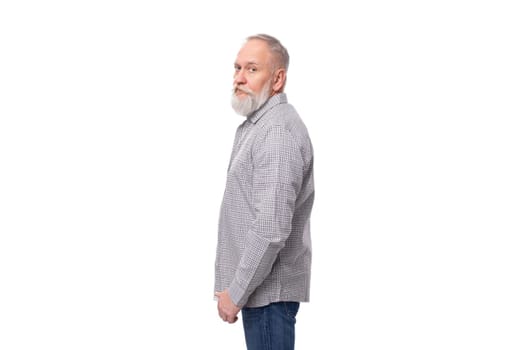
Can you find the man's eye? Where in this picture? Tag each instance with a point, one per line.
(252, 70)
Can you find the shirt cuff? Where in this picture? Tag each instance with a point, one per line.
(237, 294)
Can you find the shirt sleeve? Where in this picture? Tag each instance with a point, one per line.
(277, 179)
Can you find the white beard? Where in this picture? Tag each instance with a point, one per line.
(251, 102)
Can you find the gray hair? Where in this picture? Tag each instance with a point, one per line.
(282, 59)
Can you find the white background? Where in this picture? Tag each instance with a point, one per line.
(116, 130)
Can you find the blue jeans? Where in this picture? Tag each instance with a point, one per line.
(271, 327)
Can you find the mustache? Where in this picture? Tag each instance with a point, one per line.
(243, 89)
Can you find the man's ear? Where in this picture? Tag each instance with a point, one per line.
(279, 78)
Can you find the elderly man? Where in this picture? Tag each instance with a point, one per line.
(264, 250)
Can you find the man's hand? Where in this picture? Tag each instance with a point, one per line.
(227, 309)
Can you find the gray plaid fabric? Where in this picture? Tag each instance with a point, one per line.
(264, 247)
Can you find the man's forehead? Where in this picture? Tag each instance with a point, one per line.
(253, 52)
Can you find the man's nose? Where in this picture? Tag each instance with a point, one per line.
(239, 77)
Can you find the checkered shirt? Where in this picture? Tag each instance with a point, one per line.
(264, 247)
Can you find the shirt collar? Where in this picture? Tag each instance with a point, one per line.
(269, 104)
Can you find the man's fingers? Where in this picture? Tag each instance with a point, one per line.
(227, 317)
(224, 313)
(233, 319)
